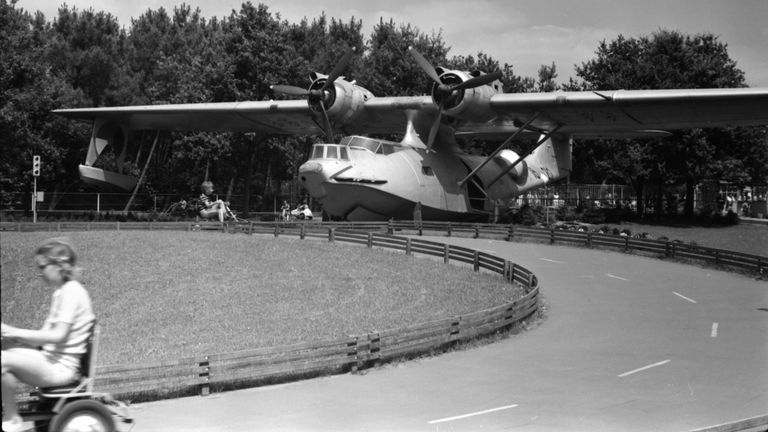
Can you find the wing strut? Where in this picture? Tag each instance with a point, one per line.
(499, 149)
(524, 155)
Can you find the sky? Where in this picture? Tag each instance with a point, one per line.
(523, 33)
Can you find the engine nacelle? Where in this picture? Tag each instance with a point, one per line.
(344, 101)
(467, 104)
(519, 172)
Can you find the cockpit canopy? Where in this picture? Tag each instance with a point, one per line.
(351, 143)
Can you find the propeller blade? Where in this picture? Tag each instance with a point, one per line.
(339, 68)
(478, 81)
(424, 63)
(436, 125)
(289, 90)
(327, 121)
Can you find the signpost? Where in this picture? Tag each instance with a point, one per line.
(35, 174)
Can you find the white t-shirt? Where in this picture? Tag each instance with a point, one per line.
(70, 304)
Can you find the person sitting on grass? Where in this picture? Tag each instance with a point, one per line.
(212, 207)
(48, 357)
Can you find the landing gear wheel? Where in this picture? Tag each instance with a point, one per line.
(83, 415)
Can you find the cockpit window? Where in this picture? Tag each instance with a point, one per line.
(372, 145)
(329, 151)
(317, 151)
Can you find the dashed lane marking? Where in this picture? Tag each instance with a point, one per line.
(616, 277)
(644, 368)
(552, 261)
(684, 297)
(714, 330)
(477, 413)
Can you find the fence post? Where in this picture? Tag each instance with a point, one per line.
(302, 233)
(390, 226)
(552, 236)
(370, 240)
(476, 261)
(446, 253)
(331, 234)
(589, 239)
(408, 246)
(477, 230)
(626, 243)
(510, 232)
(277, 230)
(205, 374)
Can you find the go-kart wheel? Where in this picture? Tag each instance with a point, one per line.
(83, 415)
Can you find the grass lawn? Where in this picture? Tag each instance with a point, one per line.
(751, 239)
(164, 295)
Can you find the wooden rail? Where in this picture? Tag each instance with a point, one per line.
(281, 363)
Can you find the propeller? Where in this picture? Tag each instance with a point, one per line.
(320, 97)
(444, 93)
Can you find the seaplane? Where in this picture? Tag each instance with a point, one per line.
(364, 178)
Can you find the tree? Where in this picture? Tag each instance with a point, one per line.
(666, 60)
(30, 87)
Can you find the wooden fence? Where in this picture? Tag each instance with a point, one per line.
(274, 364)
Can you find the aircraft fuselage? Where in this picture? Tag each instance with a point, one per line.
(370, 179)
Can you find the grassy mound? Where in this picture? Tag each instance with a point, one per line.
(165, 295)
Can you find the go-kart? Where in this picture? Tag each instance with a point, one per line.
(76, 407)
(302, 212)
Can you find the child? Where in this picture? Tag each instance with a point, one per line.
(212, 207)
(62, 338)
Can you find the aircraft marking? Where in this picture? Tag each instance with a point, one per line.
(477, 413)
(552, 261)
(684, 297)
(714, 330)
(663, 362)
(616, 277)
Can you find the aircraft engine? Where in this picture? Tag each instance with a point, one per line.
(509, 157)
(343, 101)
(472, 103)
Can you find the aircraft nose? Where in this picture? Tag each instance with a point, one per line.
(312, 177)
(311, 167)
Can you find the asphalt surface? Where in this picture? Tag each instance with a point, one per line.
(629, 344)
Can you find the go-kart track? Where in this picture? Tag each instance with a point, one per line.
(629, 343)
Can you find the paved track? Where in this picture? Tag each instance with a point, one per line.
(629, 344)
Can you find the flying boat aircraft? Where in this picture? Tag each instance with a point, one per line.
(367, 178)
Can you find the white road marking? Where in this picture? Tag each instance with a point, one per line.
(552, 261)
(684, 297)
(644, 368)
(714, 330)
(616, 277)
(463, 416)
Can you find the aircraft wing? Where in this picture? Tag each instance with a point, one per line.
(628, 112)
(621, 113)
(288, 116)
(380, 115)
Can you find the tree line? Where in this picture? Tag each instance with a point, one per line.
(85, 58)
